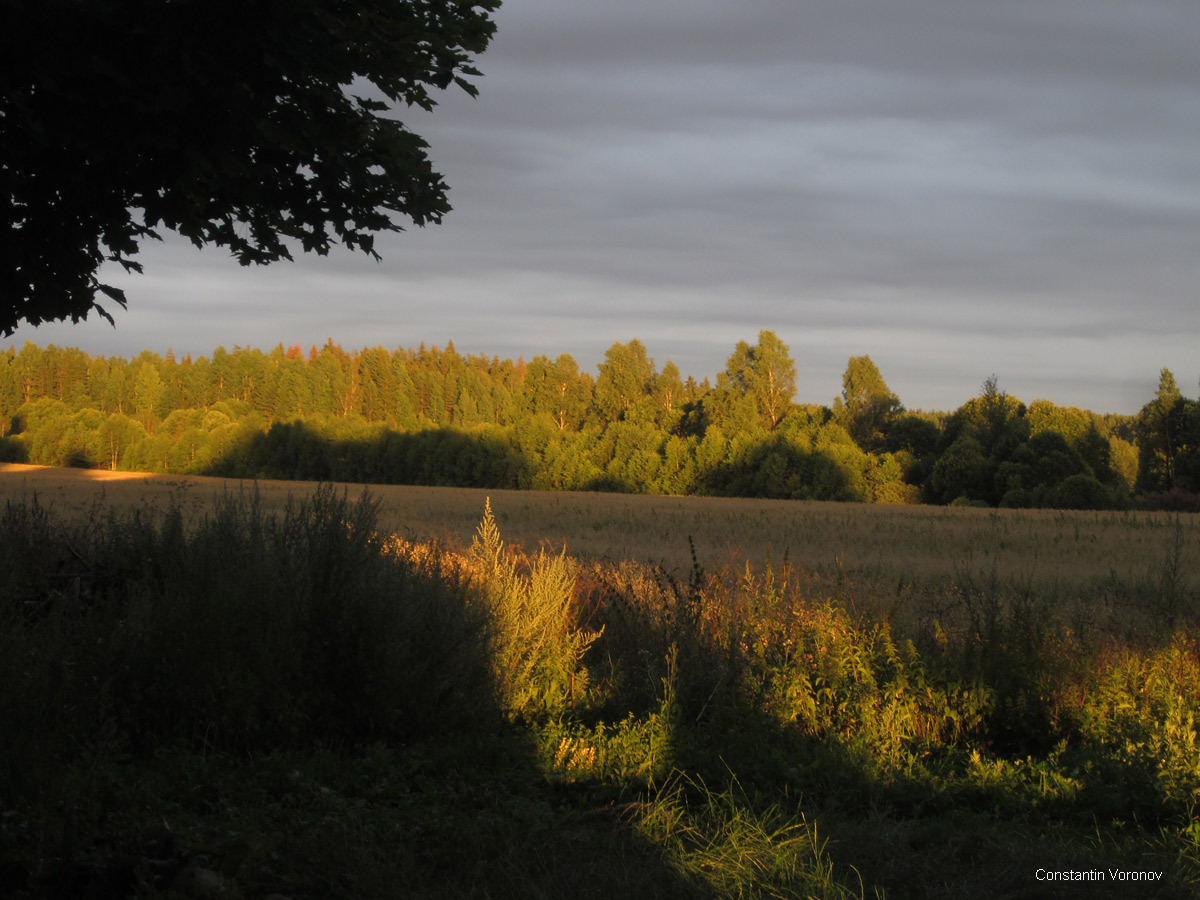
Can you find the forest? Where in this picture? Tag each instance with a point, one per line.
(432, 416)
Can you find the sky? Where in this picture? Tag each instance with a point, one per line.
(956, 189)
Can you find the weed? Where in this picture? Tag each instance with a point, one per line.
(306, 706)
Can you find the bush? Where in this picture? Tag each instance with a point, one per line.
(13, 450)
(968, 502)
(1081, 492)
(1017, 498)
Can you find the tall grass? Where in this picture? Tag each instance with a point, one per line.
(239, 632)
(539, 646)
(992, 693)
(588, 704)
(740, 847)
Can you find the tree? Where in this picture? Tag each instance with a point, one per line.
(377, 384)
(148, 388)
(1168, 439)
(557, 389)
(1005, 426)
(293, 396)
(962, 471)
(914, 434)
(1069, 421)
(867, 407)
(995, 418)
(1158, 429)
(10, 389)
(626, 378)
(1036, 468)
(248, 125)
(765, 372)
(117, 435)
(669, 392)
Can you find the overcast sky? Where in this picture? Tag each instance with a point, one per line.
(957, 189)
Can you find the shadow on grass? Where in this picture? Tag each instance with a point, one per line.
(250, 705)
(781, 704)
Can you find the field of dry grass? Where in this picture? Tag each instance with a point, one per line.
(878, 550)
(953, 699)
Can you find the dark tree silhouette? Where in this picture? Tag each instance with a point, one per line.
(253, 125)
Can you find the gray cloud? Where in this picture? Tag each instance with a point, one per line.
(954, 188)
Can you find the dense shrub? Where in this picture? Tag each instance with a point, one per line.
(1081, 492)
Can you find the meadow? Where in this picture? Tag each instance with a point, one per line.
(214, 688)
(880, 543)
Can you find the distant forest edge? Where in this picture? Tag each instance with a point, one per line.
(435, 417)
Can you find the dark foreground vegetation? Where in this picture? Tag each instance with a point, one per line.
(434, 417)
(242, 705)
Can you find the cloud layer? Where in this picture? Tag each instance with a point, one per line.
(954, 189)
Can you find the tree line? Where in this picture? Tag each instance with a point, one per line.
(434, 416)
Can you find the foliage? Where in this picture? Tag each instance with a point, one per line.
(626, 383)
(763, 376)
(431, 416)
(962, 471)
(1139, 730)
(1168, 430)
(538, 650)
(120, 118)
(866, 408)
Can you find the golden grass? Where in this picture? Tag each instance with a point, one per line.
(873, 545)
(744, 673)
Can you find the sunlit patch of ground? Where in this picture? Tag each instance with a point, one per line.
(109, 475)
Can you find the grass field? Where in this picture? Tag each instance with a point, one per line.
(879, 544)
(209, 691)
(1113, 571)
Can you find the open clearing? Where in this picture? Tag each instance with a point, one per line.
(879, 548)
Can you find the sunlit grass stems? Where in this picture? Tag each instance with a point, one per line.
(376, 717)
(740, 846)
(539, 646)
(803, 693)
(993, 695)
